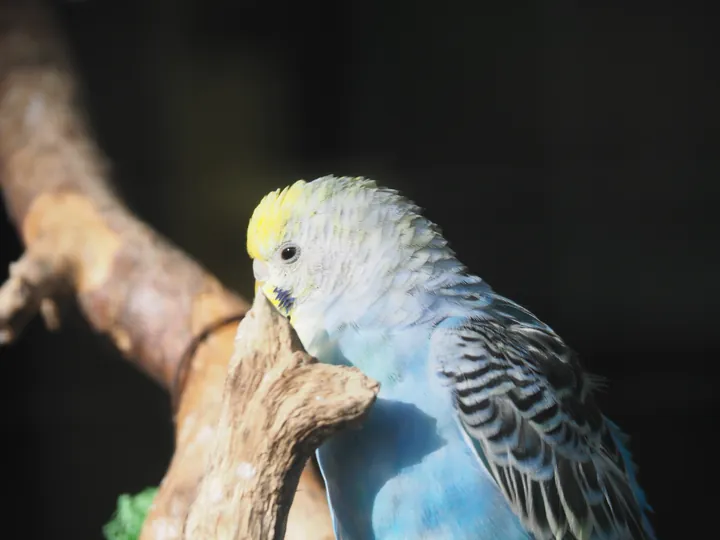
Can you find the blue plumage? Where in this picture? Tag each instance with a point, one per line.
(485, 427)
(408, 472)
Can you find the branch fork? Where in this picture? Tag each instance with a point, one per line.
(279, 404)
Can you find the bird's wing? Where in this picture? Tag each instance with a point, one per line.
(529, 414)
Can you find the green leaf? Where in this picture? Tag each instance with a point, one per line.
(129, 516)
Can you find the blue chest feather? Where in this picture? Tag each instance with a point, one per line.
(408, 472)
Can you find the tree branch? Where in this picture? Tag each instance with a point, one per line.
(278, 406)
(151, 299)
(34, 280)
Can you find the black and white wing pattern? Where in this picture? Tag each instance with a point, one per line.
(528, 410)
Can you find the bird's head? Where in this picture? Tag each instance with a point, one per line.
(337, 238)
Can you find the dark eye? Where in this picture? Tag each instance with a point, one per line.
(289, 253)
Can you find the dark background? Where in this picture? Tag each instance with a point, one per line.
(569, 153)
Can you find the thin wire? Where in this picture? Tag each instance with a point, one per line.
(178, 385)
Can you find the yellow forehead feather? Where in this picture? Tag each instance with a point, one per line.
(269, 221)
(270, 217)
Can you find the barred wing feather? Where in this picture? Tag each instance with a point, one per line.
(529, 413)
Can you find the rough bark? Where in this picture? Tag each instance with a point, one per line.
(278, 406)
(130, 283)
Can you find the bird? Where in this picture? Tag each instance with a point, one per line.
(486, 425)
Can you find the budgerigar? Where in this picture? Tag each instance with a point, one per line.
(485, 426)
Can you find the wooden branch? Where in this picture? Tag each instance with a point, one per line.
(34, 279)
(130, 283)
(278, 406)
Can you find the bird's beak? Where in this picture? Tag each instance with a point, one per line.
(260, 271)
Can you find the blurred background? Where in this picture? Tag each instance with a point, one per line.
(569, 154)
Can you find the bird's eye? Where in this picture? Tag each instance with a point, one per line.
(289, 253)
